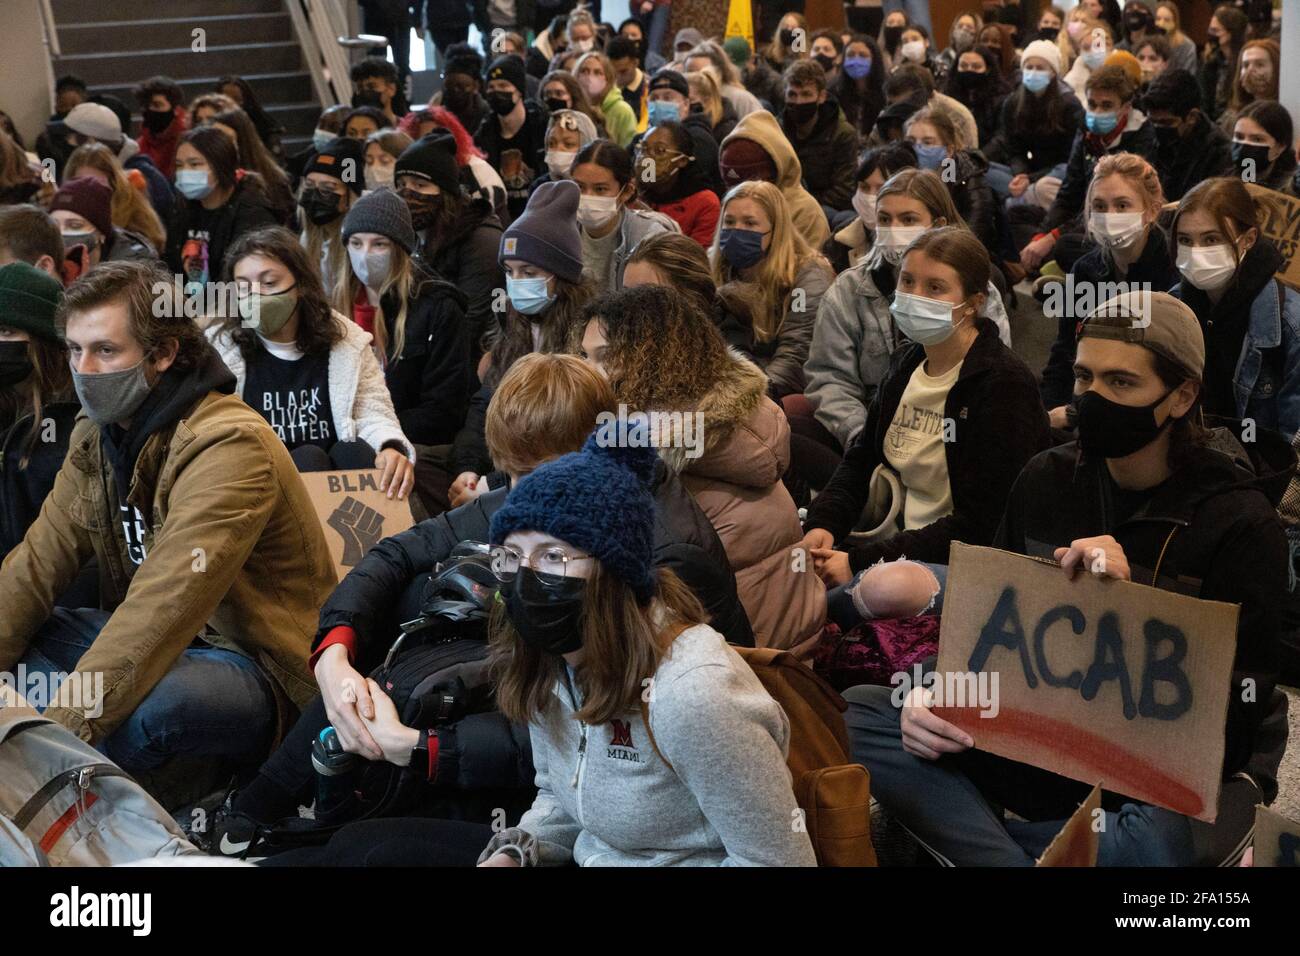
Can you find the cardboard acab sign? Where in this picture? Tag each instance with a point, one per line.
(1104, 681)
(354, 514)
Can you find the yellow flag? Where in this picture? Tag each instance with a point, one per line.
(740, 21)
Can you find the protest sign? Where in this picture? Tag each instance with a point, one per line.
(1104, 681)
(1280, 222)
(1277, 839)
(354, 513)
(1076, 844)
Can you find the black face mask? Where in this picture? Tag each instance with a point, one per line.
(1049, 33)
(321, 207)
(1111, 430)
(456, 100)
(826, 60)
(368, 98)
(796, 114)
(548, 619)
(1250, 157)
(555, 104)
(501, 103)
(787, 38)
(970, 80)
(425, 209)
(15, 363)
(1167, 136)
(155, 121)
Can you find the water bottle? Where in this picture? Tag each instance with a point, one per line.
(336, 796)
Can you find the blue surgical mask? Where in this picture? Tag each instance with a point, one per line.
(661, 111)
(930, 157)
(1102, 123)
(923, 320)
(528, 296)
(1095, 58)
(1035, 81)
(857, 66)
(193, 183)
(741, 248)
(321, 138)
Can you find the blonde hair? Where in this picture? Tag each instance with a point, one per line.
(1137, 172)
(927, 189)
(1178, 36)
(131, 208)
(611, 79)
(703, 85)
(942, 122)
(313, 240)
(787, 253)
(390, 336)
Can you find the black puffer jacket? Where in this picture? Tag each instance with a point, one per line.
(1228, 546)
(368, 598)
(431, 383)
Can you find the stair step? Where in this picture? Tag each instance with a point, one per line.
(175, 33)
(99, 11)
(180, 64)
(270, 88)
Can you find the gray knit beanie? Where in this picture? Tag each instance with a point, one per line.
(382, 212)
(546, 235)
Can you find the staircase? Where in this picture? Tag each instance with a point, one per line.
(114, 44)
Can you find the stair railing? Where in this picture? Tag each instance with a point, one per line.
(321, 26)
(53, 50)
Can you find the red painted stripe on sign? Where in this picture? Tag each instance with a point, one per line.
(69, 817)
(1115, 766)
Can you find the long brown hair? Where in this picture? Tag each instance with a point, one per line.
(1240, 96)
(318, 329)
(49, 381)
(255, 156)
(622, 644)
(1226, 199)
(131, 208)
(562, 327)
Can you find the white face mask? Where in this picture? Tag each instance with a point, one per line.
(377, 177)
(559, 163)
(894, 239)
(1209, 268)
(923, 320)
(913, 50)
(596, 211)
(583, 46)
(1115, 230)
(371, 268)
(864, 204)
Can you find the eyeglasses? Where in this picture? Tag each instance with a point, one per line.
(551, 563)
(657, 152)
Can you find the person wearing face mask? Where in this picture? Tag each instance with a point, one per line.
(1257, 78)
(914, 48)
(1189, 148)
(790, 41)
(824, 142)
(83, 210)
(1144, 486)
(458, 231)
(513, 135)
(679, 187)
(609, 222)
(1035, 130)
(975, 81)
(1260, 152)
(860, 88)
(329, 126)
(382, 150)
(1113, 124)
(933, 136)
(95, 122)
(167, 465)
(1224, 39)
(709, 107)
(1124, 200)
(560, 90)
(421, 336)
(462, 85)
(1095, 43)
(163, 120)
(598, 79)
(853, 240)
(566, 135)
(222, 202)
(760, 259)
(856, 334)
(35, 387)
(305, 368)
(477, 177)
(953, 373)
(331, 183)
(1138, 23)
(1183, 54)
(828, 50)
(962, 36)
(1251, 321)
(541, 253)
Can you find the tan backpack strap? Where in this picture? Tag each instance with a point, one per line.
(673, 632)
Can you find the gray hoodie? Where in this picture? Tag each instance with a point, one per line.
(606, 798)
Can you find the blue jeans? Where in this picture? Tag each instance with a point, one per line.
(655, 26)
(841, 610)
(212, 703)
(918, 11)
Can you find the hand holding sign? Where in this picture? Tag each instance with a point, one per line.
(1101, 556)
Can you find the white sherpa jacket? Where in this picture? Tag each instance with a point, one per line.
(359, 399)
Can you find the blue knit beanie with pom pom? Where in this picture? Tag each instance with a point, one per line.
(597, 499)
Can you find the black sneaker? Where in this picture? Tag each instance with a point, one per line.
(232, 834)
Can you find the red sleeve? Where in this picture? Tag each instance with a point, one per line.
(707, 208)
(340, 635)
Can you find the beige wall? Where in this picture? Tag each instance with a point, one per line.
(24, 64)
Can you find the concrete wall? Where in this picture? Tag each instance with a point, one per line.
(25, 93)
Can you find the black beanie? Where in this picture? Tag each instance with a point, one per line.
(511, 69)
(334, 159)
(432, 157)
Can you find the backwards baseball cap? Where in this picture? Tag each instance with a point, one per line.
(1155, 321)
(670, 80)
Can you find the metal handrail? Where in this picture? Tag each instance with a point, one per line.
(321, 26)
(53, 51)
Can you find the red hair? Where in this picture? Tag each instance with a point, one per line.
(445, 118)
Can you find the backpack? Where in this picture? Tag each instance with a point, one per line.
(62, 803)
(833, 792)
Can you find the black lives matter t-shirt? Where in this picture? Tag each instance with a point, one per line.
(293, 396)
